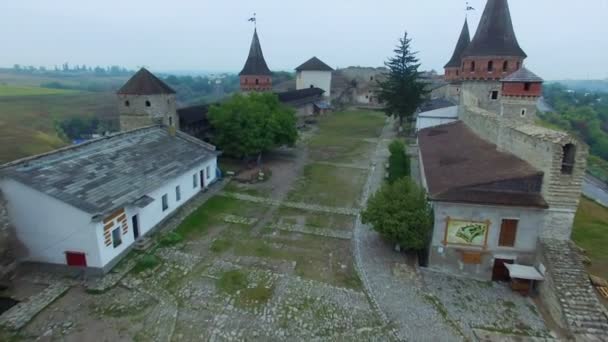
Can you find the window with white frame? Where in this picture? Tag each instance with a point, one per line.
(178, 194)
(208, 172)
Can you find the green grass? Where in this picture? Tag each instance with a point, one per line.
(27, 122)
(8, 90)
(316, 219)
(147, 262)
(329, 185)
(598, 167)
(221, 245)
(232, 281)
(591, 233)
(171, 239)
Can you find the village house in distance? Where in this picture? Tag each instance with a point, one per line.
(504, 190)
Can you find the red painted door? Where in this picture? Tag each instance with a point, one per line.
(76, 259)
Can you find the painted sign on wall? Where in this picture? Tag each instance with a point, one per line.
(470, 233)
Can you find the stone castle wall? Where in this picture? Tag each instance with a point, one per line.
(543, 149)
(135, 113)
(7, 254)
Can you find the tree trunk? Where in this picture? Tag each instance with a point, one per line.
(259, 161)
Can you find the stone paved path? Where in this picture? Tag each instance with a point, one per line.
(348, 166)
(397, 295)
(19, 315)
(325, 232)
(296, 205)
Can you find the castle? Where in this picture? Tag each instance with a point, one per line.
(505, 190)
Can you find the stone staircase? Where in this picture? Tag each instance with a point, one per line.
(583, 313)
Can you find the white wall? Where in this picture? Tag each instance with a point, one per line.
(152, 214)
(319, 79)
(426, 122)
(49, 227)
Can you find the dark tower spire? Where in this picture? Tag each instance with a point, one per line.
(255, 75)
(463, 42)
(495, 35)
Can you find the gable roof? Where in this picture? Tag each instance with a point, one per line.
(495, 35)
(255, 64)
(145, 83)
(295, 95)
(523, 75)
(103, 175)
(461, 45)
(461, 167)
(314, 64)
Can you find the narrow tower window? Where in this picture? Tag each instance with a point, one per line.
(494, 95)
(505, 66)
(127, 103)
(518, 65)
(490, 66)
(147, 103)
(527, 86)
(569, 151)
(472, 66)
(170, 121)
(257, 81)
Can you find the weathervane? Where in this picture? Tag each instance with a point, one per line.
(469, 8)
(254, 20)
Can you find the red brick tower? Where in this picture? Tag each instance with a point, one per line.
(494, 52)
(255, 75)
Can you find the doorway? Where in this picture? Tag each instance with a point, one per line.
(76, 259)
(500, 271)
(203, 179)
(135, 221)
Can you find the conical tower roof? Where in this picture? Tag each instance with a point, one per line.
(255, 65)
(145, 83)
(495, 35)
(463, 42)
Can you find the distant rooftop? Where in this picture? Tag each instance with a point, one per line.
(145, 83)
(461, 167)
(102, 175)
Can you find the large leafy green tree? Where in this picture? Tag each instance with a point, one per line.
(402, 90)
(245, 126)
(401, 214)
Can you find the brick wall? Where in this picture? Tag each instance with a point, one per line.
(477, 67)
(256, 83)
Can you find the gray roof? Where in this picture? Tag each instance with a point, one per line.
(255, 64)
(102, 175)
(314, 64)
(495, 35)
(461, 45)
(522, 75)
(145, 83)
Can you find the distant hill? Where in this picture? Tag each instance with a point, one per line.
(585, 85)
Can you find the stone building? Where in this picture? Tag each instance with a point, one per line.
(146, 100)
(255, 75)
(504, 190)
(314, 73)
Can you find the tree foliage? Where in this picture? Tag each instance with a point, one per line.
(398, 162)
(248, 125)
(401, 214)
(402, 90)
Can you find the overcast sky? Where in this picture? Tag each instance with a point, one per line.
(563, 38)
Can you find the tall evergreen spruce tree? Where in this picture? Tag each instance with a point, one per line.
(402, 91)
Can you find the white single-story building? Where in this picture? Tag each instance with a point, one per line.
(436, 117)
(314, 73)
(85, 205)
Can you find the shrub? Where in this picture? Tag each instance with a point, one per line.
(232, 281)
(148, 261)
(399, 163)
(171, 239)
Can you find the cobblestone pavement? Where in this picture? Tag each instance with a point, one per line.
(20, 314)
(393, 286)
(326, 232)
(485, 306)
(297, 205)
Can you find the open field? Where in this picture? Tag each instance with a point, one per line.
(591, 233)
(27, 122)
(6, 90)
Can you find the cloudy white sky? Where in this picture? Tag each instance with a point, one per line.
(563, 38)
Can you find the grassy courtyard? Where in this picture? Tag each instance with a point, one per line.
(591, 233)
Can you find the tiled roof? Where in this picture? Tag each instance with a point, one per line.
(463, 42)
(495, 35)
(461, 167)
(295, 95)
(522, 75)
(102, 175)
(314, 64)
(255, 64)
(145, 83)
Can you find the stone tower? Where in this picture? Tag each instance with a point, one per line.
(146, 100)
(492, 55)
(255, 75)
(452, 68)
(520, 93)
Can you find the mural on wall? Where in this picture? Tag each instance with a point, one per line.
(470, 233)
